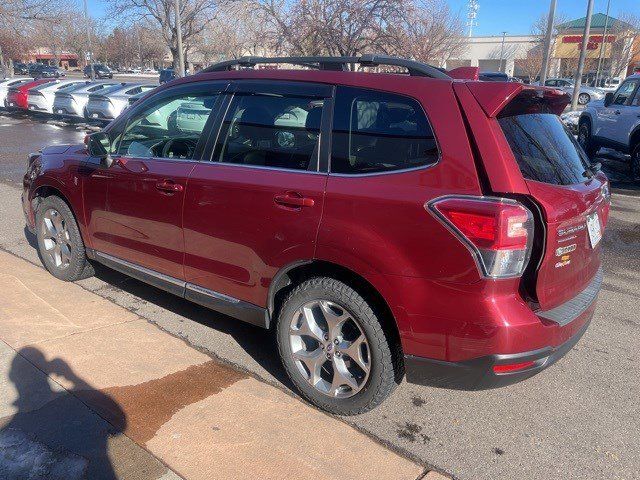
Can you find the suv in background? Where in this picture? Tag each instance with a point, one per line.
(40, 70)
(20, 69)
(614, 123)
(99, 70)
(166, 75)
(381, 224)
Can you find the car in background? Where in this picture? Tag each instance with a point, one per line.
(610, 84)
(493, 77)
(586, 94)
(166, 75)
(109, 103)
(40, 98)
(17, 98)
(40, 70)
(136, 70)
(134, 98)
(614, 123)
(72, 102)
(6, 84)
(20, 68)
(99, 71)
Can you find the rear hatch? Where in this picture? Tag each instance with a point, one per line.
(570, 194)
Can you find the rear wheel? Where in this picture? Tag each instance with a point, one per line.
(334, 348)
(635, 163)
(586, 141)
(60, 244)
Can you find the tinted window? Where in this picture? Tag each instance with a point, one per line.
(624, 92)
(169, 128)
(379, 132)
(272, 131)
(544, 149)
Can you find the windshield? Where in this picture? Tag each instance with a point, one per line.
(544, 149)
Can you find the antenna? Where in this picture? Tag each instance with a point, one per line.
(472, 13)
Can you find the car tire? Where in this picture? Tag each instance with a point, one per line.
(635, 163)
(586, 140)
(60, 245)
(356, 351)
(584, 98)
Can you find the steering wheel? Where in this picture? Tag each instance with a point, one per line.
(190, 145)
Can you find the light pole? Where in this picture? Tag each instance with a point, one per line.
(503, 66)
(92, 74)
(583, 54)
(180, 72)
(547, 42)
(604, 39)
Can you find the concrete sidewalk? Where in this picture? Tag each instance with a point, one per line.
(91, 390)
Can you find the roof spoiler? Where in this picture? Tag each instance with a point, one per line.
(512, 98)
(465, 73)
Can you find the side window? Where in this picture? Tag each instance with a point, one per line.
(378, 132)
(624, 92)
(277, 131)
(636, 100)
(168, 128)
(550, 83)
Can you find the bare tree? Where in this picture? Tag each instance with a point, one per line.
(626, 45)
(426, 30)
(195, 17)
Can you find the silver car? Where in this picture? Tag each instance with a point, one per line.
(72, 102)
(7, 83)
(40, 98)
(109, 103)
(566, 85)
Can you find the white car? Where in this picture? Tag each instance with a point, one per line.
(6, 84)
(41, 97)
(586, 94)
(136, 70)
(110, 102)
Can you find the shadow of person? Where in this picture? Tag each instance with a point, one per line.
(54, 435)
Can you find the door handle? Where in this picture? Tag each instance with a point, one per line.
(169, 186)
(293, 199)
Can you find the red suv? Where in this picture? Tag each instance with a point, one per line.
(382, 224)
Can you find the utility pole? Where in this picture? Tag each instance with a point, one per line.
(604, 40)
(472, 14)
(92, 74)
(503, 64)
(583, 54)
(180, 72)
(547, 42)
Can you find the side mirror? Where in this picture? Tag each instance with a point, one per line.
(99, 146)
(608, 99)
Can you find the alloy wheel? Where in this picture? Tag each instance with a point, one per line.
(583, 98)
(56, 239)
(329, 348)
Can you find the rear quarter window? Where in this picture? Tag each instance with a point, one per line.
(544, 149)
(379, 132)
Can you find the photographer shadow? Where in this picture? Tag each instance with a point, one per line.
(53, 434)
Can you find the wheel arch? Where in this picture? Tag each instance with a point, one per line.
(297, 272)
(634, 138)
(46, 190)
(585, 117)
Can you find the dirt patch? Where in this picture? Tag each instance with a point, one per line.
(140, 410)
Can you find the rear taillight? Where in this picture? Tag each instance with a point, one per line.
(497, 231)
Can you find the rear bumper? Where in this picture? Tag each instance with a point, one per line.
(478, 374)
(568, 322)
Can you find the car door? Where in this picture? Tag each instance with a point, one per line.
(615, 119)
(134, 208)
(256, 206)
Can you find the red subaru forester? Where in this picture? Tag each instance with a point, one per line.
(383, 222)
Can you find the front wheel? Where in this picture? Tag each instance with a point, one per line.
(586, 141)
(60, 244)
(334, 348)
(584, 98)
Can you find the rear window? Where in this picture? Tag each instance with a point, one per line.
(544, 149)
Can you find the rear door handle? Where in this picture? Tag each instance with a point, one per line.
(293, 199)
(169, 186)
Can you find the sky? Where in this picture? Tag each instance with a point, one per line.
(495, 16)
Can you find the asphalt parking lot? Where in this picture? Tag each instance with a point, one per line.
(579, 419)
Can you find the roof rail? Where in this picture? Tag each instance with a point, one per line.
(414, 68)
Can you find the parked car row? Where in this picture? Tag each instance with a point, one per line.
(70, 98)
